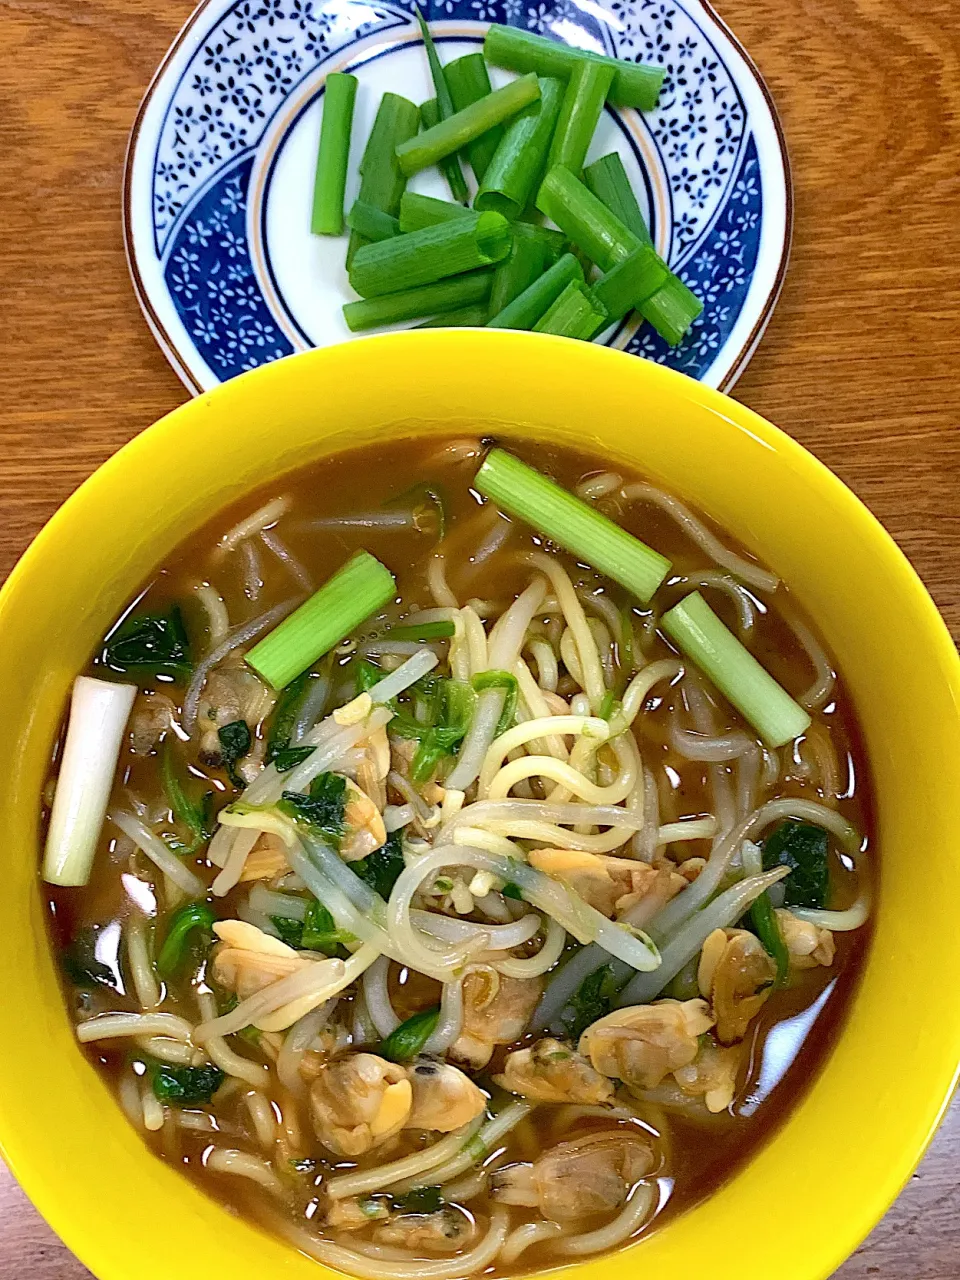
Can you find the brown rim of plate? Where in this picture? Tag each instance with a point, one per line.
(186, 377)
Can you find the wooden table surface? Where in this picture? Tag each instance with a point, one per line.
(861, 362)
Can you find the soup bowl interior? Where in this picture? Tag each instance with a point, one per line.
(845, 1150)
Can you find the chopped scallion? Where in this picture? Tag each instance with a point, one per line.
(586, 92)
(469, 81)
(631, 282)
(634, 84)
(418, 211)
(432, 254)
(339, 94)
(445, 110)
(429, 300)
(517, 165)
(407, 1040)
(355, 591)
(371, 223)
(527, 307)
(381, 180)
(574, 315)
(703, 638)
(442, 630)
(572, 524)
(457, 131)
(525, 263)
(672, 309)
(608, 181)
(473, 317)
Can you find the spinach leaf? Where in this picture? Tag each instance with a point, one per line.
(381, 869)
(763, 918)
(419, 1200)
(235, 742)
(592, 1000)
(290, 931)
(196, 918)
(322, 808)
(185, 1086)
(406, 1041)
(803, 848)
(288, 758)
(366, 675)
(151, 643)
(511, 890)
(285, 715)
(80, 964)
(196, 817)
(444, 711)
(316, 932)
(320, 932)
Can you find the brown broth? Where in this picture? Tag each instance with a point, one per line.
(786, 1045)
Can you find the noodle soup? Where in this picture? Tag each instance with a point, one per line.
(495, 933)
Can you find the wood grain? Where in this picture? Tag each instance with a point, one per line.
(861, 362)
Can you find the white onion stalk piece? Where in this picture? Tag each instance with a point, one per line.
(99, 711)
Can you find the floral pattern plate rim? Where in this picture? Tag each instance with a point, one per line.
(220, 162)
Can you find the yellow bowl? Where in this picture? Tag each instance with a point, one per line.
(836, 1164)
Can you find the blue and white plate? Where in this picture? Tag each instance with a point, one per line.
(219, 174)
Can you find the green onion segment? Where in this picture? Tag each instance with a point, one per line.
(572, 524)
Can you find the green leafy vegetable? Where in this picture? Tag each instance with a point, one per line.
(442, 630)
(235, 742)
(188, 921)
(444, 710)
(320, 932)
(607, 705)
(195, 817)
(289, 757)
(316, 932)
(80, 964)
(406, 1041)
(803, 848)
(185, 1086)
(290, 931)
(591, 1001)
(151, 643)
(381, 869)
(428, 502)
(285, 715)
(419, 1200)
(366, 675)
(322, 808)
(511, 890)
(764, 920)
(500, 680)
